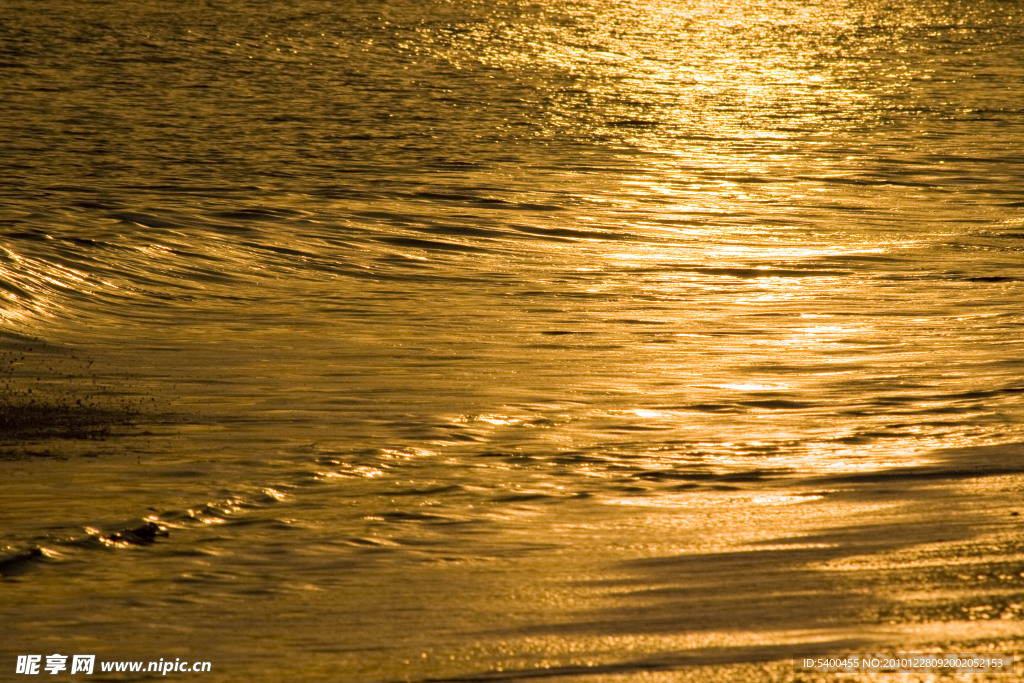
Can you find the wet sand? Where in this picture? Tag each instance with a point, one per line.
(693, 586)
(907, 559)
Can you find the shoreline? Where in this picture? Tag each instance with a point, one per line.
(691, 586)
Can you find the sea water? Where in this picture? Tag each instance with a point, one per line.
(398, 340)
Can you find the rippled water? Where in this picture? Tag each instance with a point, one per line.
(456, 338)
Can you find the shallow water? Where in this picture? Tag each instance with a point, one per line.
(422, 340)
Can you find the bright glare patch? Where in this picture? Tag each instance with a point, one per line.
(751, 386)
(274, 493)
(496, 419)
(645, 412)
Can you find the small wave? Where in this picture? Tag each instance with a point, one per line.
(133, 534)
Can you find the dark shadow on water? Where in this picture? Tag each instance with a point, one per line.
(35, 421)
(50, 396)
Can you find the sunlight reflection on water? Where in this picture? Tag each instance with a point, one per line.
(521, 336)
